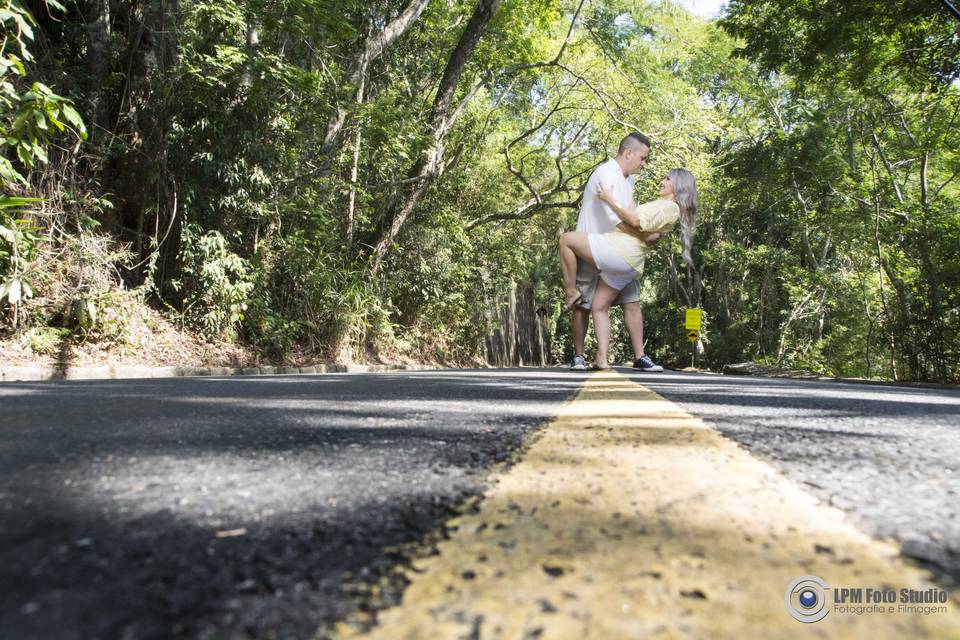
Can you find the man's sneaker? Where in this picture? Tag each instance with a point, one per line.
(644, 363)
(579, 364)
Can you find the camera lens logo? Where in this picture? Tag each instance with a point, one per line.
(807, 599)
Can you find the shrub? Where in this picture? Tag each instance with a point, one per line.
(215, 284)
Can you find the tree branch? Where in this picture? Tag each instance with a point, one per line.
(376, 44)
(949, 180)
(526, 210)
(430, 163)
(537, 203)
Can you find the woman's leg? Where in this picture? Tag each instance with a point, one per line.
(603, 297)
(573, 245)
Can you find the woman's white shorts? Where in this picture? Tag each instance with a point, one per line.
(614, 270)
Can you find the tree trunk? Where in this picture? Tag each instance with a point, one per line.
(142, 179)
(430, 163)
(906, 320)
(883, 296)
(98, 61)
(354, 176)
(355, 165)
(253, 48)
(518, 333)
(930, 273)
(795, 314)
(871, 323)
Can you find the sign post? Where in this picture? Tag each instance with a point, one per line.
(693, 322)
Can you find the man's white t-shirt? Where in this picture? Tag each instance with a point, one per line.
(595, 215)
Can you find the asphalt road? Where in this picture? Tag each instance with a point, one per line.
(113, 494)
(888, 456)
(260, 507)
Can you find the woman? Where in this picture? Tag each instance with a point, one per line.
(619, 255)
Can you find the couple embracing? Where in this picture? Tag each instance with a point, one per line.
(603, 259)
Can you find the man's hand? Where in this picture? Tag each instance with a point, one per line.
(650, 238)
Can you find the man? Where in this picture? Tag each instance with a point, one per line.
(617, 175)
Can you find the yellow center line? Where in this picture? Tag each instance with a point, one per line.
(629, 518)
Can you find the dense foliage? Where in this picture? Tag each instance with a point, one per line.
(342, 178)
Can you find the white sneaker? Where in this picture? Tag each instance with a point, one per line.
(644, 363)
(579, 364)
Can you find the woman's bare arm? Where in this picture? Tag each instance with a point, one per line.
(629, 216)
(631, 222)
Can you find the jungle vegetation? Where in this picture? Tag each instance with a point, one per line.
(349, 179)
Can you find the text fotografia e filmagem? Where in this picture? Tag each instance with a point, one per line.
(859, 601)
(809, 600)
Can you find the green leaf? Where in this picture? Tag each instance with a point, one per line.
(16, 62)
(23, 25)
(72, 117)
(23, 152)
(14, 202)
(40, 154)
(21, 120)
(9, 173)
(13, 291)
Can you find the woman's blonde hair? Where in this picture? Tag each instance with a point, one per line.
(685, 192)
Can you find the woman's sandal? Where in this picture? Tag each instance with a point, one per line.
(571, 305)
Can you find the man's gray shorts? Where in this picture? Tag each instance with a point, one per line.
(587, 276)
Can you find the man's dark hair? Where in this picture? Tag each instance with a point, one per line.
(632, 140)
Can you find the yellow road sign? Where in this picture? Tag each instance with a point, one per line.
(694, 319)
(693, 336)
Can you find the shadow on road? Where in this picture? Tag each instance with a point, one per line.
(240, 507)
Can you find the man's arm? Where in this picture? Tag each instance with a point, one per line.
(649, 238)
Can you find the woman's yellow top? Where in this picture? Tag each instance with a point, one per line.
(658, 216)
